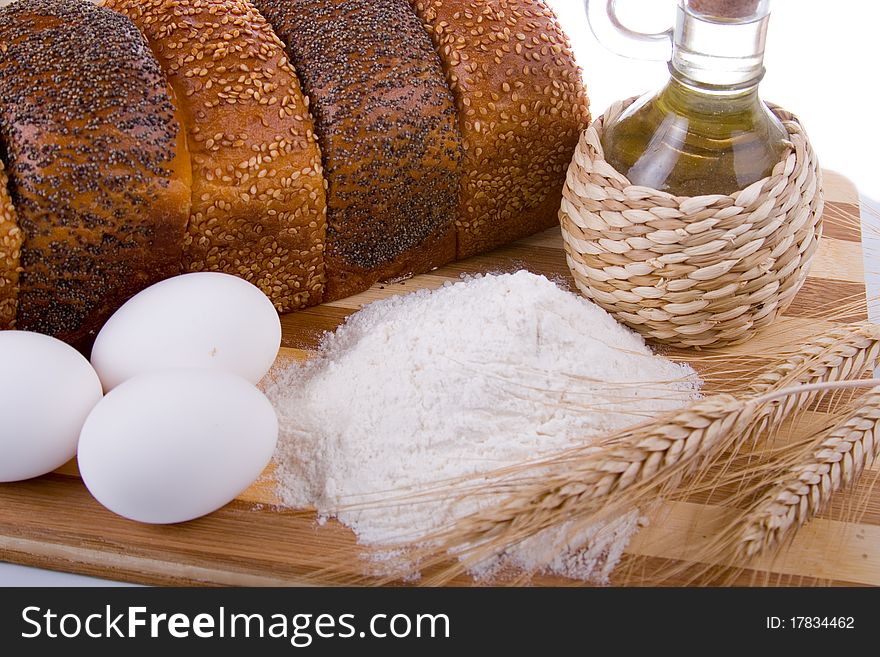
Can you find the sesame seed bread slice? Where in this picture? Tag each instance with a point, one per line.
(10, 254)
(97, 173)
(521, 105)
(258, 204)
(388, 131)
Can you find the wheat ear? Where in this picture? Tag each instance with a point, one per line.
(635, 467)
(629, 459)
(656, 449)
(836, 355)
(586, 486)
(806, 487)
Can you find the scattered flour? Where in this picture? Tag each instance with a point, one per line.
(432, 386)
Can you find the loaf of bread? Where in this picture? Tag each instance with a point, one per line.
(387, 128)
(312, 147)
(258, 202)
(521, 106)
(97, 175)
(10, 254)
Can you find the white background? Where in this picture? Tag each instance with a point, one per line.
(822, 64)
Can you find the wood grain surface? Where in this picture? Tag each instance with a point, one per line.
(53, 522)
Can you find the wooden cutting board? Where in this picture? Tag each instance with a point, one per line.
(52, 522)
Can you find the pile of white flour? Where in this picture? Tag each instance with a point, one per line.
(492, 371)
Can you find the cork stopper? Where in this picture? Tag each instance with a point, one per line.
(729, 9)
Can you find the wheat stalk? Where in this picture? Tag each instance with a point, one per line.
(584, 486)
(636, 467)
(722, 555)
(629, 459)
(807, 485)
(839, 354)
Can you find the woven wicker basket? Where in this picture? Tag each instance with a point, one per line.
(691, 271)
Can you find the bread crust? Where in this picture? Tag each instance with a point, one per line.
(521, 105)
(258, 203)
(96, 172)
(388, 131)
(10, 255)
(446, 128)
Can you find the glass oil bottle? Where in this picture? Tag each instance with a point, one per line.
(707, 130)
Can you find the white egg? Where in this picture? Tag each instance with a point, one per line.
(204, 319)
(170, 446)
(47, 389)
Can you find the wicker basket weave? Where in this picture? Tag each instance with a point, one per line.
(691, 271)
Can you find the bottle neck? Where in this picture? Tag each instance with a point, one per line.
(712, 53)
(683, 97)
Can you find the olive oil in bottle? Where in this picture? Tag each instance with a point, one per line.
(707, 131)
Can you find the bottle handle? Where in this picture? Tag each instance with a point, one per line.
(618, 38)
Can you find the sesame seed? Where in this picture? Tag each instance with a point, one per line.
(229, 46)
(513, 157)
